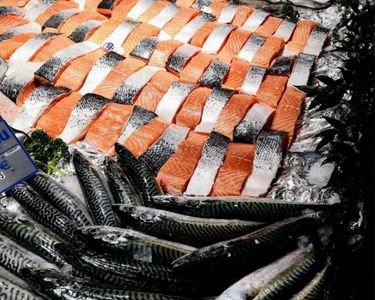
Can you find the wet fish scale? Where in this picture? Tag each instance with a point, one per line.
(28, 234)
(285, 30)
(138, 118)
(57, 19)
(9, 10)
(255, 20)
(212, 109)
(36, 9)
(236, 207)
(145, 48)
(27, 28)
(129, 241)
(82, 31)
(52, 67)
(177, 61)
(100, 70)
(186, 33)
(253, 80)
(301, 69)
(265, 243)
(38, 101)
(191, 230)
(268, 155)
(122, 189)
(14, 259)
(172, 100)
(128, 91)
(61, 199)
(281, 65)
(84, 112)
(158, 154)
(11, 291)
(28, 49)
(316, 41)
(251, 47)
(215, 74)
(251, 125)
(138, 173)
(43, 212)
(96, 195)
(213, 153)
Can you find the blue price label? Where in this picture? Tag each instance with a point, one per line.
(16, 165)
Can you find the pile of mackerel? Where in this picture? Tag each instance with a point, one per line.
(122, 238)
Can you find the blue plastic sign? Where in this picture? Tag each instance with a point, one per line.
(16, 165)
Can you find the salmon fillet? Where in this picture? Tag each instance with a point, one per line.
(75, 74)
(162, 52)
(191, 112)
(92, 5)
(104, 31)
(232, 113)
(116, 77)
(185, 3)
(217, 7)
(55, 119)
(235, 42)
(7, 47)
(269, 26)
(121, 10)
(107, 9)
(137, 35)
(54, 9)
(271, 90)
(15, 3)
(155, 89)
(177, 171)
(141, 139)
(180, 20)
(237, 166)
(287, 112)
(242, 14)
(153, 11)
(104, 132)
(10, 22)
(75, 21)
(50, 48)
(25, 93)
(195, 68)
(271, 48)
(202, 34)
(300, 36)
(236, 74)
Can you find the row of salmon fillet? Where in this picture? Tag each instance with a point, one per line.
(205, 100)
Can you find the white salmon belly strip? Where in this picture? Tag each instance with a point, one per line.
(173, 99)
(166, 14)
(217, 38)
(212, 158)
(138, 9)
(255, 20)
(228, 13)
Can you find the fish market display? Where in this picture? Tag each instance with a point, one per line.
(177, 117)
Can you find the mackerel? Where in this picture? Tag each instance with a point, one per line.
(43, 212)
(138, 173)
(97, 198)
(122, 189)
(30, 235)
(61, 198)
(11, 291)
(130, 242)
(184, 229)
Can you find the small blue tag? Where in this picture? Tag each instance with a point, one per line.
(16, 165)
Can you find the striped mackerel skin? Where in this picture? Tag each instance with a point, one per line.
(11, 291)
(98, 200)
